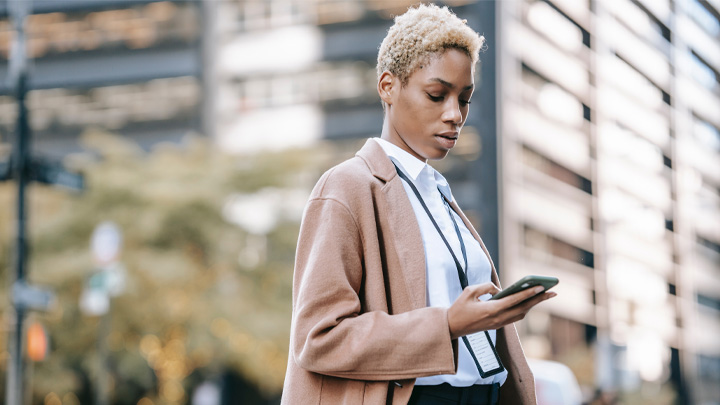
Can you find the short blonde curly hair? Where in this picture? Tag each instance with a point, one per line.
(421, 32)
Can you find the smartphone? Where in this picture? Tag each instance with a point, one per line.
(527, 282)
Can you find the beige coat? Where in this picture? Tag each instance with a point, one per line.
(361, 330)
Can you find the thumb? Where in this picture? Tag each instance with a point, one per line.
(481, 289)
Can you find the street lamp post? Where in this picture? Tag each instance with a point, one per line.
(19, 168)
(23, 168)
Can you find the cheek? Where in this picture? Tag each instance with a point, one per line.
(409, 110)
(407, 102)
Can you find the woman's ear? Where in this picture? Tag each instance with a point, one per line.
(385, 85)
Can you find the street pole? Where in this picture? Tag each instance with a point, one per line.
(102, 395)
(24, 169)
(15, 369)
(21, 164)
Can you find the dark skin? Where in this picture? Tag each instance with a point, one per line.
(424, 117)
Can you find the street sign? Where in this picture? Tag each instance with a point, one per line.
(109, 280)
(5, 170)
(27, 296)
(106, 242)
(115, 279)
(94, 302)
(55, 174)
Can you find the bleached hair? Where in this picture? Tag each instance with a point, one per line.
(421, 32)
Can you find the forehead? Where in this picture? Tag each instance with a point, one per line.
(451, 66)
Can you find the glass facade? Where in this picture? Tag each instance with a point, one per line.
(646, 79)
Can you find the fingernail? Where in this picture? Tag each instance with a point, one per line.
(538, 290)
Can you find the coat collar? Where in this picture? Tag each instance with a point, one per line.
(378, 162)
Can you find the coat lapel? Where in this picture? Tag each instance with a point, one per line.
(408, 240)
(405, 231)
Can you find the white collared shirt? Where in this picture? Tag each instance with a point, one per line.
(443, 285)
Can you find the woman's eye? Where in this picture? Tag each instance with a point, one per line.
(435, 98)
(465, 103)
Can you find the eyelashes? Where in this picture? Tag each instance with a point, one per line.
(437, 99)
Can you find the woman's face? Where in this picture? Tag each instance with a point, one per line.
(425, 116)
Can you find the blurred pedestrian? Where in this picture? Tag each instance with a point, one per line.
(391, 279)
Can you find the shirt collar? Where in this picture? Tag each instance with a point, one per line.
(413, 166)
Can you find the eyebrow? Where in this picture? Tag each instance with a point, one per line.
(450, 85)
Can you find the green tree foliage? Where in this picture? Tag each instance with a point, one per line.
(203, 294)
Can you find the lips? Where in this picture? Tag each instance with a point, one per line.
(447, 140)
(450, 136)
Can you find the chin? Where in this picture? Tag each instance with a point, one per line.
(438, 155)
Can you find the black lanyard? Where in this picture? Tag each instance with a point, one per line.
(462, 275)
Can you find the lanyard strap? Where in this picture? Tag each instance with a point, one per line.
(457, 231)
(461, 274)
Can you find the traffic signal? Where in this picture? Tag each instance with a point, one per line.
(37, 342)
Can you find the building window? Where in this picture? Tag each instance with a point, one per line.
(543, 164)
(703, 73)
(154, 24)
(555, 26)
(552, 100)
(704, 15)
(543, 242)
(264, 14)
(715, 247)
(707, 134)
(709, 367)
(709, 302)
(637, 18)
(110, 107)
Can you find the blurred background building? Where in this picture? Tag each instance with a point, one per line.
(609, 152)
(131, 66)
(591, 153)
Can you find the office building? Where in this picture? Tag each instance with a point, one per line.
(610, 165)
(592, 153)
(130, 67)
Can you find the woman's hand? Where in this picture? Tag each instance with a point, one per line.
(469, 315)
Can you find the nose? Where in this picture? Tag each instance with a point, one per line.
(452, 111)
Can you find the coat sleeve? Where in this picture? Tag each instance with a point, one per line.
(331, 334)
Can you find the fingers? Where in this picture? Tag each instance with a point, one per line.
(514, 299)
(481, 289)
(518, 312)
(465, 316)
(468, 315)
(539, 298)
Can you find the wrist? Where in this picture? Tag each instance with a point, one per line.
(452, 327)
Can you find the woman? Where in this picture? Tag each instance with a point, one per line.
(389, 272)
